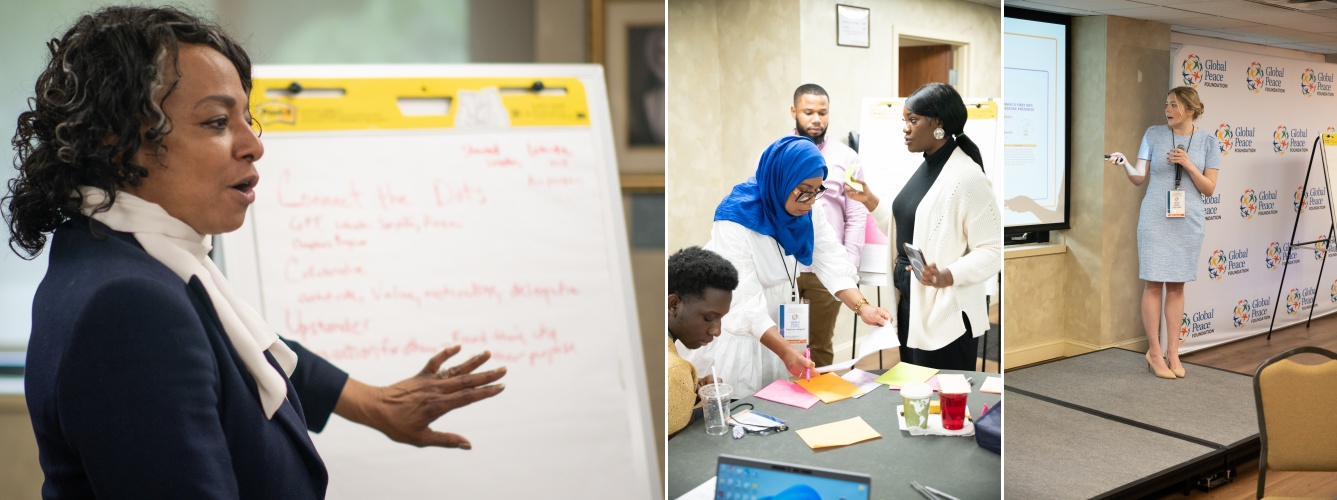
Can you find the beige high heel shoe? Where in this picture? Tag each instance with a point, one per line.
(1178, 373)
(1162, 374)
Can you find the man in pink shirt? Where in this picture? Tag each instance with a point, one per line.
(846, 216)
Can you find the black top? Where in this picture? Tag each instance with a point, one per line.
(903, 207)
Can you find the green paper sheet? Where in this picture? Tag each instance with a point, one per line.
(906, 373)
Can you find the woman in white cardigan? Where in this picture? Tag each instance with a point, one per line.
(948, 210)
(765, 229)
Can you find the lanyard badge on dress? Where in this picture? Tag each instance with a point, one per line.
(793, 315)
(1174, 200)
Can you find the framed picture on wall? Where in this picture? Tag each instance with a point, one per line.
(851, 26)
(629, 41)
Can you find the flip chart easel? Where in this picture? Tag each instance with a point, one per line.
(403, 209)
(888, 165)
(1328, 143)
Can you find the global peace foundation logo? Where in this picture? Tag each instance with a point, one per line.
(1191, 70)
(1333, 292)
(1274, 254)
(1224, 137)
(1293, 301)
(1183, 329)
(1280, 139)
(1216, 265)
(1242, 313)
(1248, 204)
(1321, 248)
(1308, 82)
(1300, 201)
(1254, 77)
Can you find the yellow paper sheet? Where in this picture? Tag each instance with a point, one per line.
(850, 171)
(829, 388)
(842, 433)
(905, 373)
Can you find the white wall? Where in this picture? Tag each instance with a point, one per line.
(850, 73)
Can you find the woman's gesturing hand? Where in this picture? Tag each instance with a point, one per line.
(404, 410)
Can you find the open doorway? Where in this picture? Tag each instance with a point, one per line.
(923, 60)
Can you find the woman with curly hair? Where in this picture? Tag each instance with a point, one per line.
(147, 376)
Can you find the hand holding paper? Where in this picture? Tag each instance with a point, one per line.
(877, 339)
(875, 316)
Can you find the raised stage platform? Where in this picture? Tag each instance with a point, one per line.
(1098, 425)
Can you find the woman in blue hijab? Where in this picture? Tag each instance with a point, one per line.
(765, 228)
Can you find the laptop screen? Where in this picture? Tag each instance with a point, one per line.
(741, 478)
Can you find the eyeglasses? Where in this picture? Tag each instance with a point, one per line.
(806, 196)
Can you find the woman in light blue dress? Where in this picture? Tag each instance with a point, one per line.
(1168, 246)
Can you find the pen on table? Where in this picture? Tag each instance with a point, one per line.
(807, 371)
(920, 488)
(938, 493)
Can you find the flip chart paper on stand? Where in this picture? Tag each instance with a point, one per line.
(786, 392)
(377, 239)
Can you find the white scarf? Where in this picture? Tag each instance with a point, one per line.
(176, 245)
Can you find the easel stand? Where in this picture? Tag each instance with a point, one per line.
(1325, 247)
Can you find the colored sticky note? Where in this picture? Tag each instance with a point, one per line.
(992, 385)
(850, 171)
(953, 383)
(829, 387)
(932, 385)
(905, 373)
(785, 392)
(842, 433)
(865, 381)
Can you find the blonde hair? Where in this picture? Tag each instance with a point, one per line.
(1188, 98)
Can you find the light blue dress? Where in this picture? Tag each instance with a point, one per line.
(1168, 248)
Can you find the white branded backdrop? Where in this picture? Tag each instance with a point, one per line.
(1266, 113)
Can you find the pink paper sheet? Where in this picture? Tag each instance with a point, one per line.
(785, 392)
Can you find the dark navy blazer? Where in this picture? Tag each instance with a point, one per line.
(135, 391)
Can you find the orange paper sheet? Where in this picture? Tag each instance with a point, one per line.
(842, 433)
(829, 387)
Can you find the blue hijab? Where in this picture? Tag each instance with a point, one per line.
(759, 203)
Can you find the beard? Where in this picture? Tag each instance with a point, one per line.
(818, 139)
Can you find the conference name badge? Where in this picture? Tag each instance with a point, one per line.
(1175, 204)
(794, 323)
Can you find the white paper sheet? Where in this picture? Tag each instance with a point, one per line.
(877, 339)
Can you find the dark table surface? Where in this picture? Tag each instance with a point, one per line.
(955, 465)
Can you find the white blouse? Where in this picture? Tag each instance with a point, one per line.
(764, 282)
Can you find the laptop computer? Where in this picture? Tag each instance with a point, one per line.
(739, 478)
